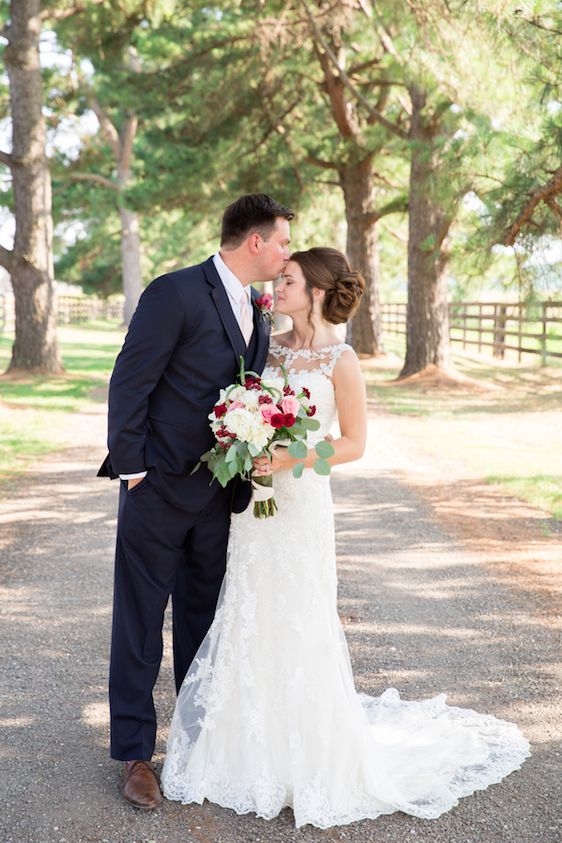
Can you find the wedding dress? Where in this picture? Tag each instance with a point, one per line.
(268, 715)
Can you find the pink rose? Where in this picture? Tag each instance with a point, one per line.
(268, 411)
(290, 405)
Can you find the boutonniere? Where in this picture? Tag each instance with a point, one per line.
(265, 306)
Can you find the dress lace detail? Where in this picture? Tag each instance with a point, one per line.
(268, 715)
(295, 360)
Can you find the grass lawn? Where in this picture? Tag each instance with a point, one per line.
(508, 431)
(36, 413)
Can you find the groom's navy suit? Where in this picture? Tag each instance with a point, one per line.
(183, 345)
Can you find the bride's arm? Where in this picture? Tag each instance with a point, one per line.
(351, 402)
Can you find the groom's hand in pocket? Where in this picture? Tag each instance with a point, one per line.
(132, 483)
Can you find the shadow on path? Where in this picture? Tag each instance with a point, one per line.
(422, 613)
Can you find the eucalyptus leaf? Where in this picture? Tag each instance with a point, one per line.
(322, 467)
(298, 469)
(298, 450)
(324, 449)
(223, 474)
(310, 424)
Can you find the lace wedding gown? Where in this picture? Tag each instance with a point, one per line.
(268, 715)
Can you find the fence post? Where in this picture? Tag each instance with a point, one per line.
(544, 335)
(500, 311)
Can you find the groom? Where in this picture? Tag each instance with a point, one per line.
(184, 343)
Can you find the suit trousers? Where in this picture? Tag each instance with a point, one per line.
(161, 551)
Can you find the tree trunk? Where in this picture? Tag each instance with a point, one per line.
(427, 329)
(357, 183)
(130, 259)
(31, 264)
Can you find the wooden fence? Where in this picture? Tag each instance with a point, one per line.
(534, 328)
(71, 310)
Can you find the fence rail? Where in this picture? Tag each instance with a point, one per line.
(521, 327)
(71, 310)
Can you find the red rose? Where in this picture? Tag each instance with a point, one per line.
(311, 410)
(289, 419)
(265, 301)
(220, 411)
(222, 431)
(252, 383)
(306, 391)
(277, 420)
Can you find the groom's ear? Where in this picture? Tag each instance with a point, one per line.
(255, 243)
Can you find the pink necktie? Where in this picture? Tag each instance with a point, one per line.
(246, 319)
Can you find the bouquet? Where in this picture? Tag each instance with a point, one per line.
(249, 420)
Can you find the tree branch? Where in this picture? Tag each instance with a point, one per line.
(318, 162)
(399, 205)
(107, 127)
(62, 14)
(7, 159)
(374, 114)
(7, 259)
(364, 65)
(94, 177)
(536, 22)
(127, 140)
(544, 194)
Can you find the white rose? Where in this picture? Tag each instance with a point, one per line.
(237, 394)
(240, 422)
(250, 398)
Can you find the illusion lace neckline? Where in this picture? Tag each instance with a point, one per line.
(323, 349)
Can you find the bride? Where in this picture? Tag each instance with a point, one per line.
(268, 715)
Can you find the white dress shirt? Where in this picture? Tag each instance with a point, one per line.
(240, 298)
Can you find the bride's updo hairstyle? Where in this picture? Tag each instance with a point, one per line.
(328, 270)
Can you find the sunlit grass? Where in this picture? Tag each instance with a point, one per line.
(508, 432)
(505, 428)
(542, 490)
(36, 411)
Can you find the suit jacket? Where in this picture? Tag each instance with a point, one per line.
(183, 345)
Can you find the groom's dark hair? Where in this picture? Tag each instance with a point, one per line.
(253, 212)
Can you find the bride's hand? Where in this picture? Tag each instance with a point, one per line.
(280, 461)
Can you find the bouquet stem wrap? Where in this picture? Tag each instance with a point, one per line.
(262, 493)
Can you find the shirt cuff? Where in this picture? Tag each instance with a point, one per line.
(133, 476)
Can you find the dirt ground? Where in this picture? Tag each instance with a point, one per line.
(446, 584)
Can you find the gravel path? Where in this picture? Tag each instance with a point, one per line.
(424, 610)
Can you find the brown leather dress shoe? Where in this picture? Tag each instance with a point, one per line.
(140, 785)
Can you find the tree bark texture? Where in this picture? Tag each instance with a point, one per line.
(357, 183)
(130, 260)
(427, 329)
(31, 261)
(122, 142)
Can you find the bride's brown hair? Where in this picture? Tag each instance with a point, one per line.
(328, 270)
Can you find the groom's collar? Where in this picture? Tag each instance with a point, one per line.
(213, 277)
(234, 287)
